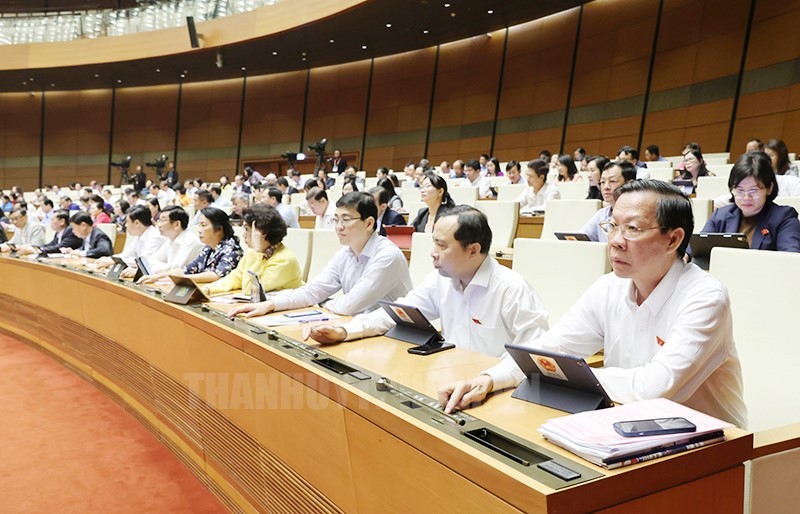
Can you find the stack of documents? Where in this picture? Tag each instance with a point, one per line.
(591, 434)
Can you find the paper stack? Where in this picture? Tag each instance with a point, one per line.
(591, 435)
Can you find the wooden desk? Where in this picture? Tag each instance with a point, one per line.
(268, 430)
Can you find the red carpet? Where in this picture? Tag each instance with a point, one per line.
(66, 447)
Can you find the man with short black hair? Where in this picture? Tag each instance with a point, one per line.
(138, 224)
(202, 199)
(27, 231)
(367, 269)
(665, 326)
(67, 204)
(631, 155)
(318, 203)
(220, 202)
(239, 185)
(283, 185)
(458, 169)
(472, 170)
(482, 305)
(653, 154)
(350, 171)
(181, 246)
(482, 163)
(338, 163)
(615, 175)
(274, 198)
(63, 238)
(386, 216)
(95, 242)
(46, 211)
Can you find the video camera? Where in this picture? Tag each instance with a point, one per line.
(159, 165)
(124, 166)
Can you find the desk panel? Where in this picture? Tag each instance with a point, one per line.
(269, 430)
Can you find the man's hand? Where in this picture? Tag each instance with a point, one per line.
(27, 250)
(325, 334)
(251, 310)
(128, 273)
(461, 394)
(5, 248)
(104, 262)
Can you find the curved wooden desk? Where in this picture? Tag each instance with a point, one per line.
(267, 430)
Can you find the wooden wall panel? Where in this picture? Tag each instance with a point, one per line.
(697, 62)
(611, 70)
(20, 120)
(273, 115)
(465, 98)
(769, 105)
(337, 103)
(209, 129)
(535, 86)
(398, 110)
(144, 124)
(76, 136)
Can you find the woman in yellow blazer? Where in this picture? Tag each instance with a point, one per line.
(275, 264)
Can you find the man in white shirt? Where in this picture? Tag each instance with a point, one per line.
(368, 268)
(472, 170)
(665, 325)
(539, 190)
(482, 305)
(220, 202)
(514, 173)
(202, 199)
(615, 174)
(318, 203)
(26, 231)
(138, 224)
(631, 155)
(181, 246)
(458, 169)
(166, 194)
(274, 197)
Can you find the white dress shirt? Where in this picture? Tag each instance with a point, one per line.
(177, 253)
(678, 344)
(497, 307)
(642, 173)
(167, 196)
(592, 227)
(379, 273)
(326, 220)
(530, 201)
(288, 214)
(222, 202)
(145, 246)
(31, 234)
(482, 183)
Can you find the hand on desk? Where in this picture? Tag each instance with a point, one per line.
(104, 262)
(128, 273)
(325, 334)
(253, 309)
(461, 394)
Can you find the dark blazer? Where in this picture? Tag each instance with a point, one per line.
(777, 226)
(391, 217)
(68, 240)
(244, 188)
(340, 167)
(99, 244)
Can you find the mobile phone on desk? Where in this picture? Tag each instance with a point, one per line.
(659, 426)
(429, 348)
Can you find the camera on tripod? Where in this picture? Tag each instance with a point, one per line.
(124, 166)
(159, 165)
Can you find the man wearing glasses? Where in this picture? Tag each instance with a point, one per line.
(615, 174)
(26, 231)
(368, 268)
(665, 325)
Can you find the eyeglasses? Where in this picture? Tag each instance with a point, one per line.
(344, 221)
(753, 192)
(629, 232)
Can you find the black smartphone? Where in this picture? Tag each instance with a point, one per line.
(429, 348)
(659, 426)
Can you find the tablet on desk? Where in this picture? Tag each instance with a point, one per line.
(185, 291)
(563, 382)
(412, 326)
(702, 244)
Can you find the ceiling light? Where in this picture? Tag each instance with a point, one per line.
(490, 11)
(274, 53)
(331, 40)
(96, 75)
(158, 70)
(388, 25)
(363, 47)
(119, 81)
(447, 5)
(425, 31)
(244, 68)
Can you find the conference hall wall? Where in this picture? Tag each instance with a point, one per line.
(613, 72)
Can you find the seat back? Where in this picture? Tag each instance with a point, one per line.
(791, 201)
(560, 271)
(764, 289)
(573, 190)
(664, 173)
(298, 240)
(567, 216)
(712, 187)
(324, 245)
(701, 209)
(510, 192)
(109, 229)
(503, 218)
(463, 195)
(421, 262)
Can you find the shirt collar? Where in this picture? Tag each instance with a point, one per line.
(663, 290)
(481, 277)
(369, 248)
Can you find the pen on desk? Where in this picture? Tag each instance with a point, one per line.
(313, 320)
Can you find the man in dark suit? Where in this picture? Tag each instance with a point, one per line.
(95, 242)
(338, 163)
(64, 237)
(386, 216)
(286, 188)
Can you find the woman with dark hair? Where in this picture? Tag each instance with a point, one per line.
(395, 202)
(120, 211)
(349, 185)
(433, 193)
(221, 252)
(493, 168)
(155, 208)
(274, 263)
(595, 167)
(693, 167)
(567, 171)
(99, 216)
(776, 150)
(754, 213)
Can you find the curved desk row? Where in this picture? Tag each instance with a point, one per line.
(268, 424)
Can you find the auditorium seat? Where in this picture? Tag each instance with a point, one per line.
(464, 195)
(764, 289)
(325, 243)
(573, 190)
(298, 240)
(701, 209)
(510, 192)
(664, 173)
(503, 219)
(408, 194)
(568, 216)
(712, 187)
(109, 229)
(421, 261)
(791, 201)
(559, 271)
